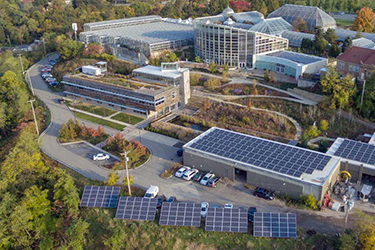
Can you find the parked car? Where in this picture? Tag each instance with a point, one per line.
(161, 199)
(263, 193)
(204, 208)
(180, 152)
(48, 80)
(212, 182)
(228, 205)
(100, 157)
(172, 199)
(251, 212)
(190, 174)
(46, 66)
(61, 100)
(198, 177)
(181, 171)
(46, 70)
(206, 178)
(46, 75)
(53, 83)
(152, 192)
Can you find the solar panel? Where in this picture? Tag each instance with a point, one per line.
(357, 151)
(275, 225)
(100, 196)
(226, 220)
(180, 214)
(261, 153)
(136, 208)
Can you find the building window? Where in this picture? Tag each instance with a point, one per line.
(353, 68)
(173, 95)
(340, 65)
(111, 105)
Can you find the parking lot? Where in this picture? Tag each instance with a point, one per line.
(87, 151)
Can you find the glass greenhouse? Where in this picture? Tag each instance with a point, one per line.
(295, 38)
(313, 16)
(272, 26)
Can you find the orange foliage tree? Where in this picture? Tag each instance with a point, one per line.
(364, 21)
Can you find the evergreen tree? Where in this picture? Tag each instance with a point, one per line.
(319, 43)
(348, 43)
(330, 36)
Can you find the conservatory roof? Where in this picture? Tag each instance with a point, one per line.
(272, 26)
(313, 16)
(342, 34)
(363, 43)
(295, 38)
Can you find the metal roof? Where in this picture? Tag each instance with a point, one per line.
(296, 57)
(363, 43)
(342, 34)
(154, 70)
(122, 21)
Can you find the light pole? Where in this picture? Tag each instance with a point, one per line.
(32, 107)
(363, 88)
(127, 171)
(30, 83)
(19, 55)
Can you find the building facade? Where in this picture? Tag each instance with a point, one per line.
(151, 92)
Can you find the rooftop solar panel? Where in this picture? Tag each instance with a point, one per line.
(136, 208)
(100, 196)
(180, 214)
(357, 151)
(261, 153)
(226, 220)
(275, 225)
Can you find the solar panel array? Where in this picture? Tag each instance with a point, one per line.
(100, 196)
(275, 225)
(180, 214)
(136, 208)
(261, 153)
(358, 151)
(226, 220)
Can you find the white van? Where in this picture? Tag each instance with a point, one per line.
(152, 192)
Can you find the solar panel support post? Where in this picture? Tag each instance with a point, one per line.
(125, 154)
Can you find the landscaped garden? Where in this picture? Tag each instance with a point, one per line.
(99, 121)
(137, 153)
(131, 119)
(247, 89)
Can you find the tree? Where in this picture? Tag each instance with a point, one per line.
(330, 36)
(355, 5)
(334, 50)
(212, 67)
(307, 45)
(266, 76)
(172, 57)
(246, 120)
(358, 35)
(348, 43)
(68, 48)
(198, 59)
(299, 24)
(319, 43)
(309, 200)
(93, 49)
(364, 20)
(125, 181)
(239, 5)
(323, 125)
(365, 230)
(347, 241)
(273, 5)
(76, 234)
(313, 132)
(112, 179)
(255, 90)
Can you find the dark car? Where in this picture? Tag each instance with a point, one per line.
(213, 181)
(198, 176)
(180, 152)
(172, 199)
(161, 199)
(61, 100)
(251, 212)
(263, 193)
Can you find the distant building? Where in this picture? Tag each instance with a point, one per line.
(152, 91)
(359, 62)
(313, 16)
(363, 43)
(139, 38)
(295, 38)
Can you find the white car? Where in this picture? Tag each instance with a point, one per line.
(44, 76)
(190, 174)
(204, 208)
(152, 192)
(181, 171)
(206, 178)
(100, 157)
(228, 205)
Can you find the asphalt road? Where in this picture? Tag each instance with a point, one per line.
(163, 155)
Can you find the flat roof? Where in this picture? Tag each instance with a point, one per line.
(355, 152)
(125, 20)
(156, 71)
(150, 33)
(252, 152)
(296, 57)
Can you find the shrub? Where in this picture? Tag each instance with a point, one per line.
(212, 83)
(309, 201)
(171, 170)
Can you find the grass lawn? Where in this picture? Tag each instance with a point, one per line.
(342, 22)
(92, 109)
(127, 118)
(99, 121)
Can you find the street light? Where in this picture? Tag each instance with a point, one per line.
(127, 171)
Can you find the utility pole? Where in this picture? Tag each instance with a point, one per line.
(363, 89)
(125, 154)
(44, 46)
(30, 83)
(19, 55)
(32, 107)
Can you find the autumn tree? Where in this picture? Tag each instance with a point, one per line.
(112, 179)
(299, 24)
(364, 20)
(239, 5)
(323, 125)
(212, 67)
(93, 49)
(68, 48)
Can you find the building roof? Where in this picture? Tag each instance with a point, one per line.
(313, 16)
(150, 33)
(342, 34)
(249, 152)
(120, 22)
(355, 152)
(157, 71)
(295, 38)
(296, 57)
(272, 26)
(363, 43)
(251, 17)
(358, 55)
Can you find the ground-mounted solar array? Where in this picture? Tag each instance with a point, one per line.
(275, 225)
(226, 220)
(261, 153)
(100, 196)
(357, 151)
(180, 214)
(136, 208)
